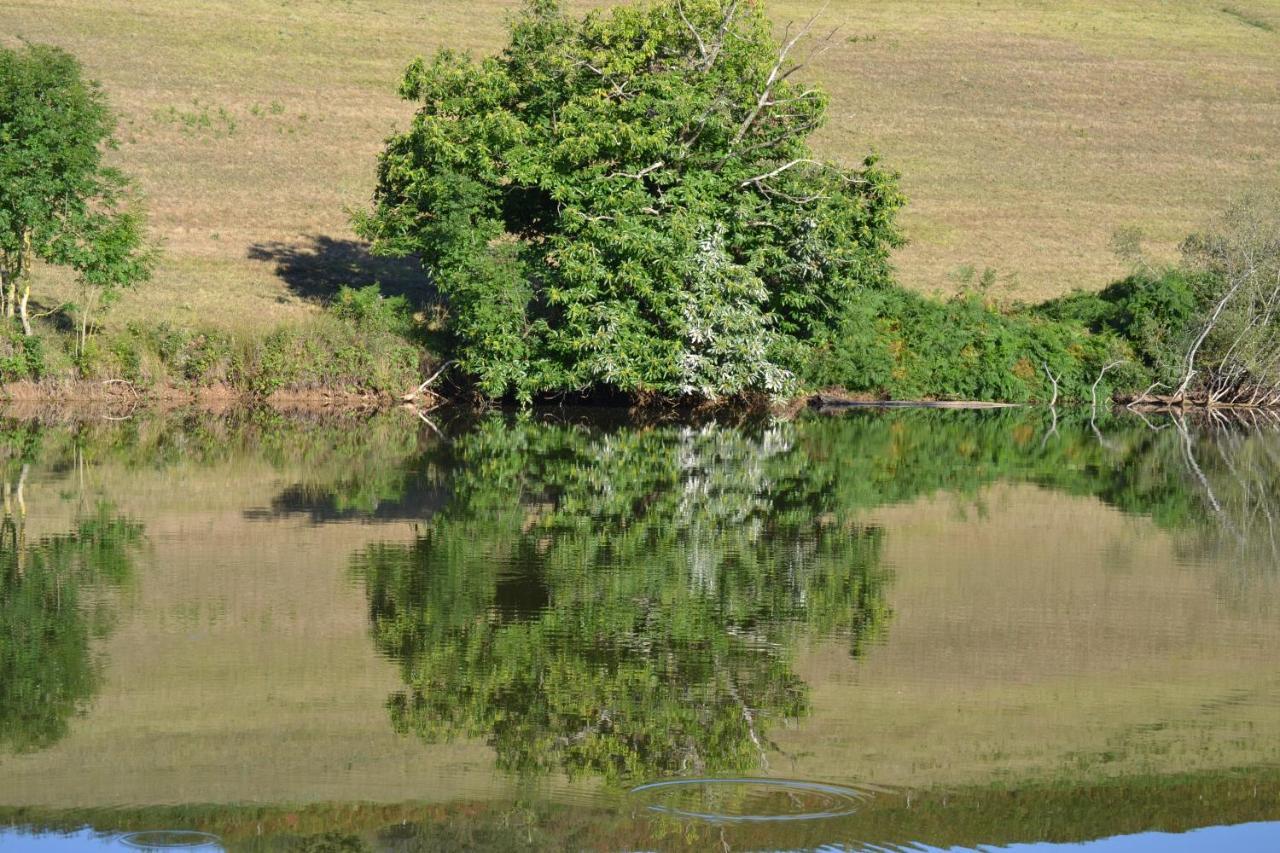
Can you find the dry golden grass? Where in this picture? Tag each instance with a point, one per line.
(1027, 130)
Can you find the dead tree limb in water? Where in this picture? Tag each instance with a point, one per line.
(417, 392)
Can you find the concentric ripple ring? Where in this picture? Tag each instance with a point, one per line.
(170, 839)
(838, 801)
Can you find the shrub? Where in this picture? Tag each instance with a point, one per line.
(21, 357)
(1152, 311)
(898, 344)
(366, 308)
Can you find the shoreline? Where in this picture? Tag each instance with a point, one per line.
(119, 399)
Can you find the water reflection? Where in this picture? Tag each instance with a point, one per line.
(623, 603)
(626, 602)
(49, 612)
(620, 603)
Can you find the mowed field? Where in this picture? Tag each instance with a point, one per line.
(1027, 131)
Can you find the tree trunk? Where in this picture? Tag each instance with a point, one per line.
(4, 280)
(22, 308)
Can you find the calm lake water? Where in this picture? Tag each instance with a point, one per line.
(876, 630)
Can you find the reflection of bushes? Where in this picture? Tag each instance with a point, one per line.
(47, 673)
(625, 603)
(621, 604)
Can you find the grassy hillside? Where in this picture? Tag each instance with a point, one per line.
(1027, 130)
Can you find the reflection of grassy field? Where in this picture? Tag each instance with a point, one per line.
(241, 669)
(1020, 652)
(1047, 638)
(1027, 131)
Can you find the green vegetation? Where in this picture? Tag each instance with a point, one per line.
(621, 604)
(48, 615)
(628, 202)
(59, 203)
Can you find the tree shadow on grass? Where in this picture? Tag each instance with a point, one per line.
(318, 266)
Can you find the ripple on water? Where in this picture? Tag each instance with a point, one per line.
(172, 839)
(749, 800)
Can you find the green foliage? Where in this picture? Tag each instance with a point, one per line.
(58, 202)
(47, 672)
(21, 358)
(627, 201)
(900, 345)
(620, 604)
(366, 308)
(1153, 312)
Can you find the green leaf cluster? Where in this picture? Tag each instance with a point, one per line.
(627, 201)
(59, 202)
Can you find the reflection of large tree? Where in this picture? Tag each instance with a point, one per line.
(48, 614)
(620, 603)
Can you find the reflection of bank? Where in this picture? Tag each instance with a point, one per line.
(621, 604)
(47, 673)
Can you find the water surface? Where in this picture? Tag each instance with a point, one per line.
(951, 630)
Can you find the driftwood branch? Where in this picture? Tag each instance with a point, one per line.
(417, 392)
(1093, 391)
(1054, 380)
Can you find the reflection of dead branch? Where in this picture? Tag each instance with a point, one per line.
(1189, 455)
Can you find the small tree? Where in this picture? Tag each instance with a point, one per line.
(1234, 354)
(627, 200)
(58, 202)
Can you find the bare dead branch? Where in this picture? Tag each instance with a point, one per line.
(640, 174)
(1093, 391)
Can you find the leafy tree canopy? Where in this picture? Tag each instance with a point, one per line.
(58, 201)
(628, 201)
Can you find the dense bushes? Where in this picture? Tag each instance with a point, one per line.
(1153, 312)
(627, 202)
(901, 345)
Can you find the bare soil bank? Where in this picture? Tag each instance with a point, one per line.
(117, 395)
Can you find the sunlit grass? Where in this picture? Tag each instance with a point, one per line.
(1027, 132)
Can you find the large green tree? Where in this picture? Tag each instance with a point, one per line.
(627, 201)
(59, 202)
